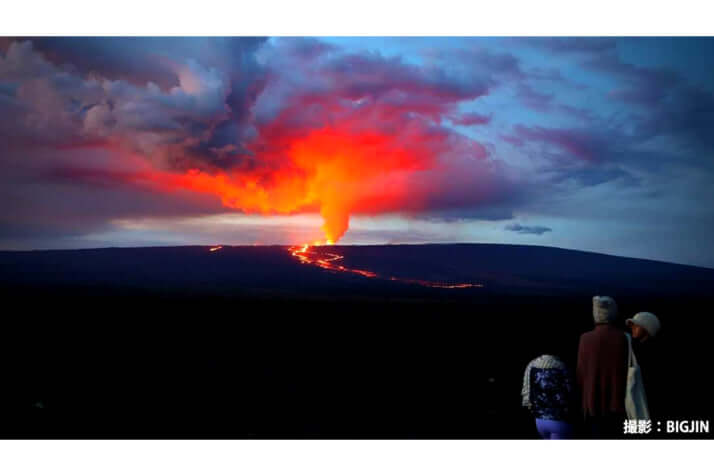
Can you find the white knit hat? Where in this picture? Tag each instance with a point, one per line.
(647, 320)
(604, 309)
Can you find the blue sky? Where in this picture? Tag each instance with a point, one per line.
(600, 144)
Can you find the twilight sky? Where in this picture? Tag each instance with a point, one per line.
(600, 144)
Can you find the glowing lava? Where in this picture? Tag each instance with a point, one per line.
(318, 257)
(325, 260)
(215, 248)
(330, 171)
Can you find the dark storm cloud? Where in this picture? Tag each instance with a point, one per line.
(76, 191)
(589, 156)
(222, 104)
(161, 95)
(687, 114)
(576, 116)
(664, 101)
(329, 84)
(527, 230)
(370, 74)
(658, 105)
(668, 104)
(578, 143)
(146, 59)
(204, 113)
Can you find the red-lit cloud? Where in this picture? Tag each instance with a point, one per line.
(97, 134)
(311, 129)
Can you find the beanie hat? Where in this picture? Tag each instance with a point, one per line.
(647, 320)
(604, 309)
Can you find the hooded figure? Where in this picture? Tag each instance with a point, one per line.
(601, 372)
(604, 309)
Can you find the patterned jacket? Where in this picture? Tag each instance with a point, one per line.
(548, 389)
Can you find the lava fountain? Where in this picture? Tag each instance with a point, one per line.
(331, 171)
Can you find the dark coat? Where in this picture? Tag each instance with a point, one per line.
(601, 372)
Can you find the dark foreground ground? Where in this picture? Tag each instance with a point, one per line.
(247, 343)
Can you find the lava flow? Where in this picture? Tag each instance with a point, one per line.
(215, 248)
(326, 260)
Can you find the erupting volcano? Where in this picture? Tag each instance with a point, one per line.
(332, 171)
(317, 256)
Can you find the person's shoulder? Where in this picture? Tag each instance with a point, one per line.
(541, 360)
(603, 333)
(586, 341)
(613, 331)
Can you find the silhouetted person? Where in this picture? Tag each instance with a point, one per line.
(548, 393)
(644, 327)
(601, 372)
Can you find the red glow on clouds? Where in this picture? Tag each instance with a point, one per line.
(309, 128)
(328, 170)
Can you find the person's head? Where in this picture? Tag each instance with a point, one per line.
(604, 309)
(644, 326)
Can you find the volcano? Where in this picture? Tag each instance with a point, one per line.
(417, 341)
(318, 271)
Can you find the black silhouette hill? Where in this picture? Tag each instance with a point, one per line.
(271, 271)
(246, 342)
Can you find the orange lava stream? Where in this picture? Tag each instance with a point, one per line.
(323, 259)
(215, 248)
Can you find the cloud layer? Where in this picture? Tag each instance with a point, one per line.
(527, 230)
(100, 130)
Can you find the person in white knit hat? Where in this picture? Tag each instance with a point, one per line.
(644, 326)
(601, 371)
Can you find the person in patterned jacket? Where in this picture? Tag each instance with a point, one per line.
(548, 393)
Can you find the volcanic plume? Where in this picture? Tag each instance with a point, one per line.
(306, 129)
(331, 170)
